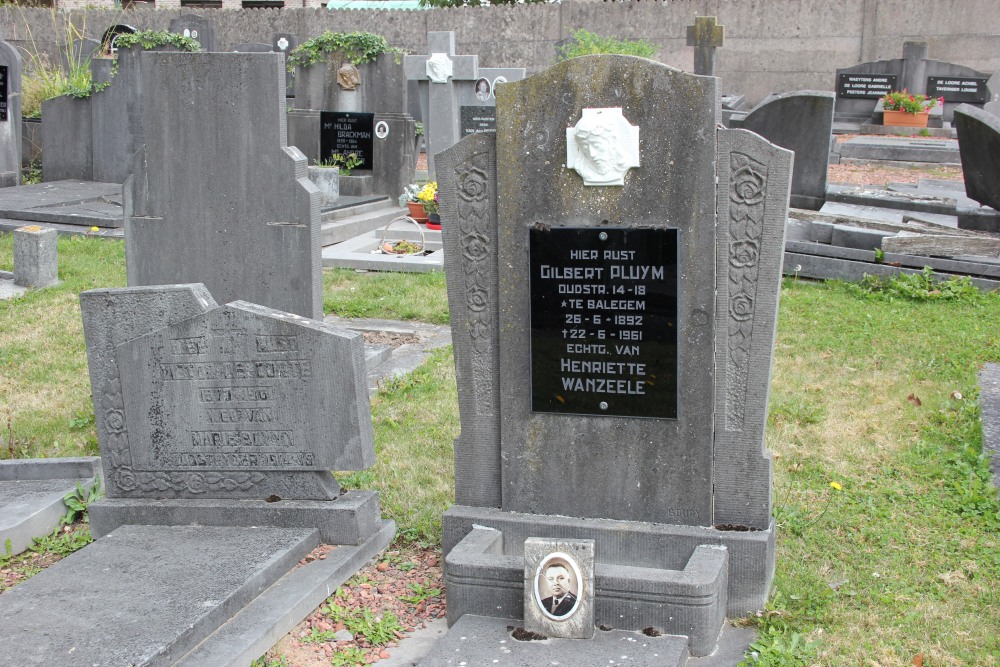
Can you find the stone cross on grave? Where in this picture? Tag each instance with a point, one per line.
(440, 70)
(705, 35)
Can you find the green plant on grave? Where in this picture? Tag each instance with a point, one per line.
(62, 542)
(145, 40)
(421, 592)
(348, 657)
(43, 79)
(585, 43)
(32, 174)
(78, 500)
(358, 47)
(344, 162)
(376, 629)
(917, 287)
(909, 103)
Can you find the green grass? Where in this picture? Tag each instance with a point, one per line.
(871, 389)
(392, 296)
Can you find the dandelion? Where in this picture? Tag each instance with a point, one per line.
(95, 228)
(836, 485)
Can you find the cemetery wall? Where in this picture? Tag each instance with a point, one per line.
(772, 46)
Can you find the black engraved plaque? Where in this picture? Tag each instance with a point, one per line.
(604, 321)
(478, 120)
(862, 86)
(965, 89)
(346, 132)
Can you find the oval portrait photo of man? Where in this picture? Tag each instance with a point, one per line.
(557, 586)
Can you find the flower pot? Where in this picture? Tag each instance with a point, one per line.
(905, 119)
(433, 221)
(417, 211)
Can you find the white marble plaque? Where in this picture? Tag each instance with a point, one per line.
(439, 68)
(602, 147)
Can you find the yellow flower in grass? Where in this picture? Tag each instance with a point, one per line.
(836, 485)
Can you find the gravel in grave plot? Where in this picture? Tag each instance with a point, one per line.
(379, 589)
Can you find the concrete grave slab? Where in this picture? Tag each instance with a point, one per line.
(67, 202)
(363, 252)
(143, 595)
(867, 212)
(480, 640)
(939, 151)
(32, 492)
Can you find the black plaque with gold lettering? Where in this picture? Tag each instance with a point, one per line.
(604, 321)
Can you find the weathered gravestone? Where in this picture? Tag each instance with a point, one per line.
(440, 72)
(195, 27)
(993, 85)
(802, 122)
(477, 102)
(345, 108)
(218, 427)
(631, 405)
(218, 196)
(860, 87)
(10, 115)
(979, 146)
(96, 138)
(706, 35)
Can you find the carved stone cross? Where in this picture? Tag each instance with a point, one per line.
(705, 36)
(440, 70)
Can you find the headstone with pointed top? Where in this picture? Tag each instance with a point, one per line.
(10, 115)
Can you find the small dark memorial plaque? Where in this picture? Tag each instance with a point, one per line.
(604, 321)
(478, 120)
(346, 132)
(958, 89)
(3, 92)
(865, 85)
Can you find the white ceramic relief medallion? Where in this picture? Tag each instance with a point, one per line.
(439, 68)
(602, 146)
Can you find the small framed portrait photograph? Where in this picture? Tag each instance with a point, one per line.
(558, 587)
(483, 89)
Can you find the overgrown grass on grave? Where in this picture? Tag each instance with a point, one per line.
(872, 390)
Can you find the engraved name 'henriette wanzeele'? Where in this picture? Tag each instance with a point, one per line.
(604, 321)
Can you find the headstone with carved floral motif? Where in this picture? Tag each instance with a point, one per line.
(614, 261)
(240, 401)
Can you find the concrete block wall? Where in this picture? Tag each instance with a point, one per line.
(773, 46)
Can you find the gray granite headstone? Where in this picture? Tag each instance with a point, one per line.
(10, 115)
(441, 129)
(238, 401)
(381, 86)
(860, 87)
(253, 47)
(979, 146)
(196, 27)
(477, 99)
(219, 197)
(802, 122)
(993, 86)
(613, 323)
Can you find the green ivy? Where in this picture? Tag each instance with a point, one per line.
(358, 47)
(145, 40)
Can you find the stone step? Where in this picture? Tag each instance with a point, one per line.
(478, 640)
(345, 207)
(357, 224)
